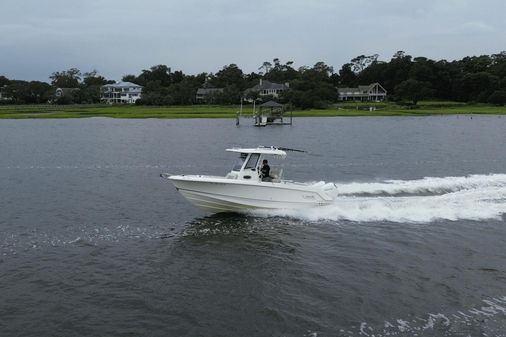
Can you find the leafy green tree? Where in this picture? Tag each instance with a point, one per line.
(252, 95)
(155, 98)
(159, 73)
(498, 97)
(347, 76)
(177, 76)
(89, 92)
(229, 75)
(359, 63)
(422, 69)
(182, 92)
(131, 78)
(265, 68)
(231, 95)
(476, 64)
(397, 71)
(39, 92)
(3, 81)
(251, 79)
(413, 90)
(498, 66)
(478, 86)
(444, 80)
(313, 88)
(23, 92)
(92, 78)
(281, 73)
(87, 95)
(66, 79)
(373, 73)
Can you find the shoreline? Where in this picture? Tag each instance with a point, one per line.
(230, 112)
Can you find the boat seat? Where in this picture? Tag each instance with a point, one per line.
(276, 173)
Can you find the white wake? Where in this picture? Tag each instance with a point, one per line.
(474, 197)
(487, 318)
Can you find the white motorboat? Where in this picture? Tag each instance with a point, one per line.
(243, 188)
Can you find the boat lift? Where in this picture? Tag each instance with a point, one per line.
(269, 113)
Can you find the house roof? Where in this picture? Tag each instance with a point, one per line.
(207, 91)
(347, 89)
(271, 104)
(360, 88)
(265, 85)
(122, 85)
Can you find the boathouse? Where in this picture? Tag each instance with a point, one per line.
(271, 113)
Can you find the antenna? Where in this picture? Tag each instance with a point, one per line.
(293, 150)
(284, 148)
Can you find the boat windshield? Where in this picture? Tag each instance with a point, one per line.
(239, 162)
(252, 162)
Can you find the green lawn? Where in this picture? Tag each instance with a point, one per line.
(209, 111)
(422, 109)
(117, 111)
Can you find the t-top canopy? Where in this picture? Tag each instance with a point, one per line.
(261, 150)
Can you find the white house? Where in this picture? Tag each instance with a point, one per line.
(121, 92)
(3, 95)
(372, 92)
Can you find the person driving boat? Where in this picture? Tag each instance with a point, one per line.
(265, 171)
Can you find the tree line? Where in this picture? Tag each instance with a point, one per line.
(35, 92)
(472, 79)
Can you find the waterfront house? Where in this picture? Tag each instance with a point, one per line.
(62, 92)
(267, 88)
(373, 92)
(3, 95)
(207, 95)
(120, 93)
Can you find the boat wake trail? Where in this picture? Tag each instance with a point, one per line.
(474, 197)
(486, 318)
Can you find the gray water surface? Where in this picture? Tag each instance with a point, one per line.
(94, 243)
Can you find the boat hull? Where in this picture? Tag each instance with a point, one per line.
(217, 194)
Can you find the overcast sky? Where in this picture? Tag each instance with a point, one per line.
(38, 37)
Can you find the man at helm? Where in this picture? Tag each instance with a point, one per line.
(265, 171)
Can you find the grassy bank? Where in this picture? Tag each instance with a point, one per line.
(116, 111)
(421, 109)
(207, 111)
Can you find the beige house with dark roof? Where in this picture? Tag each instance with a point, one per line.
(373, 92)
(267, 88)
(207, 94)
